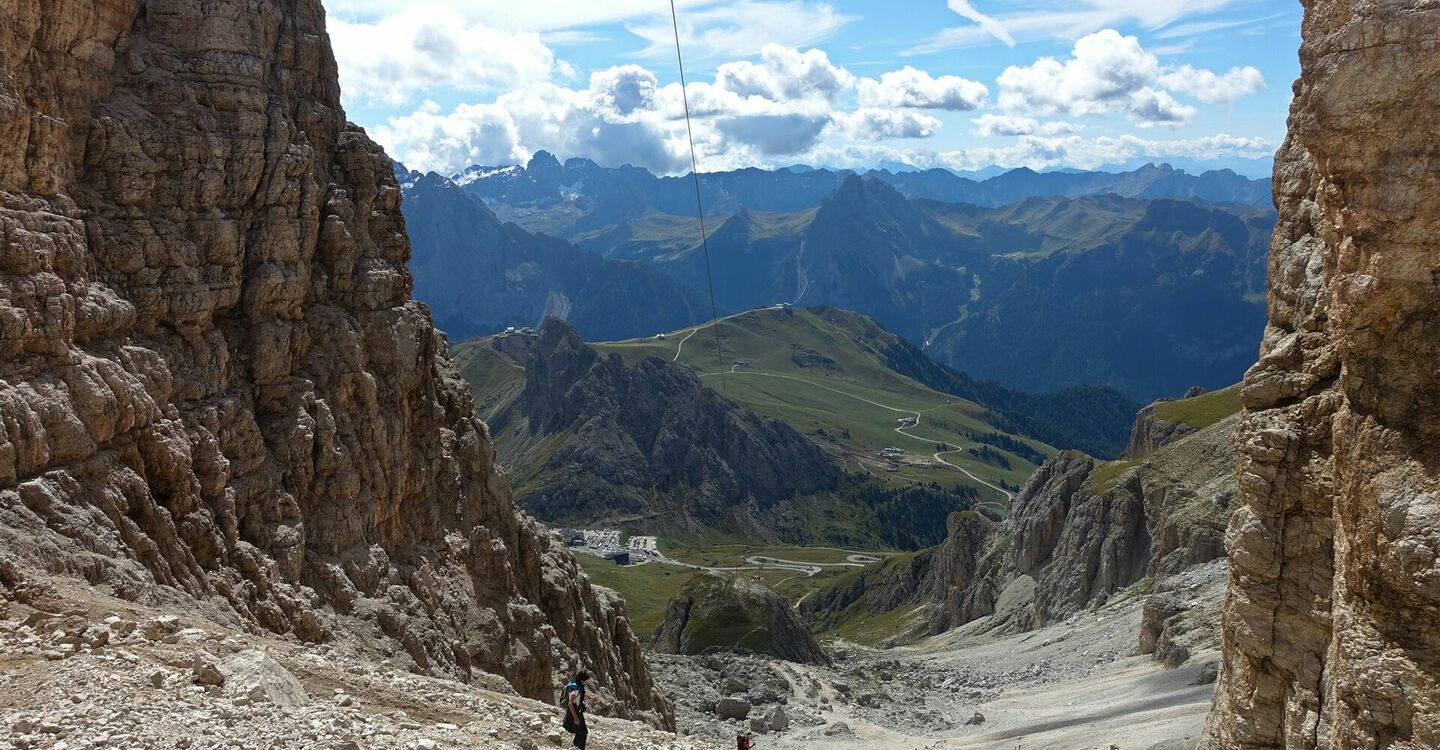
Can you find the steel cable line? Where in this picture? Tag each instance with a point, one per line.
(699, 205)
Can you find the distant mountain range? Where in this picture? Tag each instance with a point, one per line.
(577, 196)
(480, 275)
(1148, 281)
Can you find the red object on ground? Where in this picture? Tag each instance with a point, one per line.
(742, 742)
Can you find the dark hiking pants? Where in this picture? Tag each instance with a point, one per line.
(579, 730)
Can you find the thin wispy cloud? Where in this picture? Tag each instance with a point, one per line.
(538, 15)
(739, 29)
(988, 24)
(1198, 28)
(1063, 19)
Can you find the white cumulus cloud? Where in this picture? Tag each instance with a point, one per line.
(869, 124)
(784, 74)
(396, 58)
(613, 121)
(1214, 88)
(990, 125)
(910, 87)
(1108, 73)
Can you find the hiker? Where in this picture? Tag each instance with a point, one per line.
(574, 702)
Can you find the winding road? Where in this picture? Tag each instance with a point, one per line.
(681, 346)
(904, 430)
(761, 562)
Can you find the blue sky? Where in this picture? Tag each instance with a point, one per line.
(963, 84)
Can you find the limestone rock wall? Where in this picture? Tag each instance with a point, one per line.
(1150, 433)
(1080, 531)
(214, 386)
(1331, 635)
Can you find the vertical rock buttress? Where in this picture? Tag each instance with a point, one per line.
(1332, 623)
(215, 389)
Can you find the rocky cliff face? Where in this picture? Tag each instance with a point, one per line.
(1080, 531)
(617, 442)
(215, 391)
(1330, 625)
(1077, 533)
(1150, 433)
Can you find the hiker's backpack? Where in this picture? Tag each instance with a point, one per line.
(565, 692)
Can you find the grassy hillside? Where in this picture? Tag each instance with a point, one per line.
(648, 587)
(811, 373)
(1093, 419)
(820, 377)
(1201, 411)
(495, 377)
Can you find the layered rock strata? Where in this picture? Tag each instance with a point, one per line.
(1331, 636)
(215, 390)
(1080, 531)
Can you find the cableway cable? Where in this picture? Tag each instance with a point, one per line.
(699, 205)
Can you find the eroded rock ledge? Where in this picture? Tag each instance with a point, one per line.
(215, 391)
(1331, 636)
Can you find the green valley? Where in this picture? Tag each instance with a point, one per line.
(821, 376)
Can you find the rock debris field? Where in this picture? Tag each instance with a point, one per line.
(1079, 684)
(92, 672)
(122, 677)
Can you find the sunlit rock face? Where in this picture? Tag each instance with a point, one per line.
(1332, 638)
(215, 390)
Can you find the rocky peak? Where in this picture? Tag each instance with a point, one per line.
(215, 390)
(558, 361)
(628, 434)
(871, 199)
(1151, 433)
(542, 163)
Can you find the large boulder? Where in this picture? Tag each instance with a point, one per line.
(732, 708)
(257, 676)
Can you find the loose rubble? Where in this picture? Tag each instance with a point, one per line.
(114, 676)
(967, 688)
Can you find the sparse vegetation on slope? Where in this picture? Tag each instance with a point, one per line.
(1093, 419)
(1203, 410)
